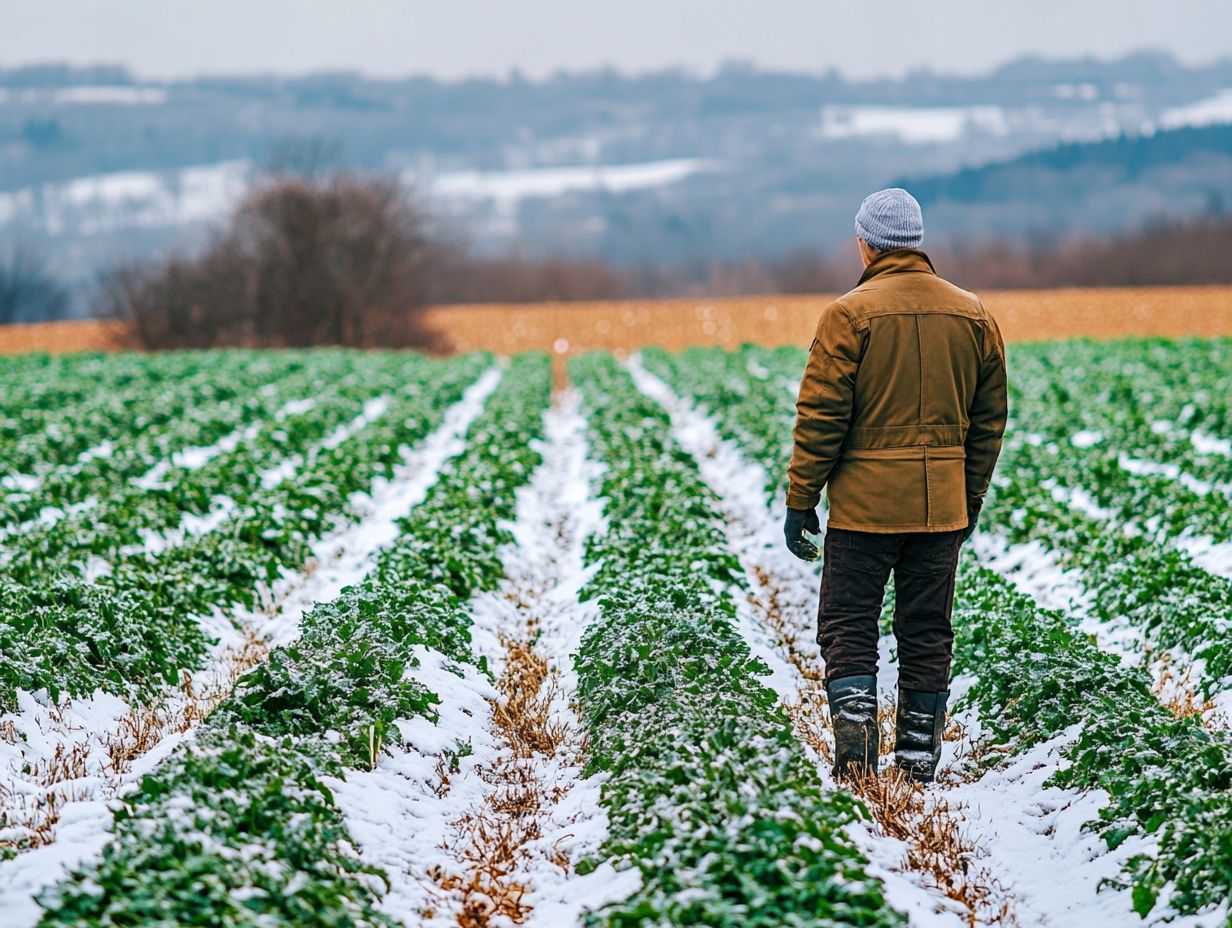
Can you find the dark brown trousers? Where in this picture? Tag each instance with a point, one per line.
(853, 580)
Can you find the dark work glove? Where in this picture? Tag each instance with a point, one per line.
(799, 520)
(973, 518)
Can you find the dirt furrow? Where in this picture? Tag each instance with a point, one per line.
(480, 816)
(514, 853)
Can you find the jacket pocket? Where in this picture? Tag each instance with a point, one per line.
(946, 480)
(880, 490)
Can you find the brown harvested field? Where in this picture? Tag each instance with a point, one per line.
(568, 328)
(61, 337)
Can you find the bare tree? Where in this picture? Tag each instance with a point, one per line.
(338, 259)
(29, 292)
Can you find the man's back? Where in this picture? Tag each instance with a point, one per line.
(904, 390)
(900, 415)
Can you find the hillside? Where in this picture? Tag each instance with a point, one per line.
(1101, 186)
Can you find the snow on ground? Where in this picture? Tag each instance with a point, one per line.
(1030, 837)
(185, 459)
(110, 95)
(562, 494)
(86, 727)
(405, 818)
(1034, 570)
(1086, 438)
(101, 203)
(508, 188)
(1208, 111)
(1139, 467)
(197, 456)
(1215, 557)
(372, 410)
(1204, 442)
(913, 125)
(399, 813)
(28, 483)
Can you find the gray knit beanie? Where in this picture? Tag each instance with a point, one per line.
(890, 219)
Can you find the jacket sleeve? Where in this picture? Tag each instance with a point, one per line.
(823, 406)
(988, 413)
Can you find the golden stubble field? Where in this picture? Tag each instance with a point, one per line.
(569, 328)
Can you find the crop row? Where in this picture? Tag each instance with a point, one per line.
(135, 628)
(1132, 577)
(1035, 675)
(189, 416)
(709, 793)
(1067, 485)
(239, 828)
(751, 406)
(55, 413)
(1167, 400)
(137, 516)
(1110, 439)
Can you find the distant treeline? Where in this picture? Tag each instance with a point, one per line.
(343, 258)
(1164, 253)
(1127, 157)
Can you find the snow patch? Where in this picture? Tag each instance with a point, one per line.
(1087, 438)
(508, 188)
(1034, 835)
(103, 203)
(1140, 468)
(112, 95)
(1205, 443)
(372, 410)
(398, 814)
(913, 125)
(1208, 111)
(197, 456)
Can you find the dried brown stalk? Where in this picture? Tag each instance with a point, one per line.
(135, 734)
(1177, 692)
(492, 842)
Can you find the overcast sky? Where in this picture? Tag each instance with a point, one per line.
(450, 38)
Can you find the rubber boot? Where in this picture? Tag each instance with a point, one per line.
(917, 743)
(853, 715)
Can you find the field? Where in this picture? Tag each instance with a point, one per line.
(568, 329)
(340, 638)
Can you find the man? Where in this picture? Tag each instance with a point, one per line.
(899, 417)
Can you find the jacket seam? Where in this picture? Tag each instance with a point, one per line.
(888, 529)
(919, 344)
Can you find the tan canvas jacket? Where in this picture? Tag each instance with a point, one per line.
(903, 402)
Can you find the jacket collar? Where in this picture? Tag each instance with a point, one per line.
(897, 261)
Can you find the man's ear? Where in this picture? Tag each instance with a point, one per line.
(866, 253)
